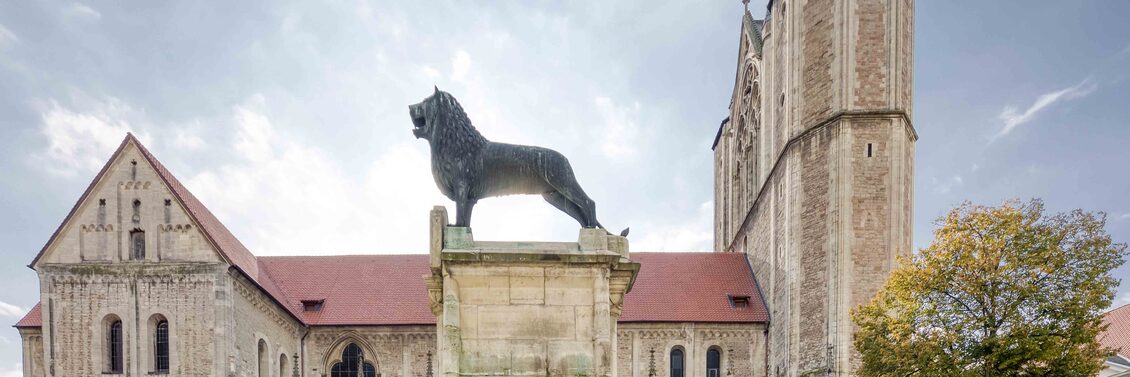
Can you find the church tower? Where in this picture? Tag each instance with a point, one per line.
(814, 169)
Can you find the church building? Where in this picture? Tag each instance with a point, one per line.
(813, 178)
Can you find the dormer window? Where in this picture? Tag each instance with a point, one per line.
(739, 302)
(312, 305)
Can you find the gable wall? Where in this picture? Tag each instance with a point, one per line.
(101, 233)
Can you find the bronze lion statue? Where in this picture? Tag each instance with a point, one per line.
(468, 167)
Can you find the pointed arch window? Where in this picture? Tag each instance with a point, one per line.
(352, 362)
(676, 362)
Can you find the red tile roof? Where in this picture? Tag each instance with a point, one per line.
(34, 318)
(357, 289)
(692, 287)
(1117, 334)
(389, 289)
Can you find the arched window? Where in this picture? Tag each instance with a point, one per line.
(676, 362)
(264, 370)
(352, 361)
(713, 362)
(160, 330)
(282, 365)
(137, 244)
(114, 339)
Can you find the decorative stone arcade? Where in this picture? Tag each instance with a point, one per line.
(526, 308)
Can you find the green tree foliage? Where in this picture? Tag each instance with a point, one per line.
(1002, 291)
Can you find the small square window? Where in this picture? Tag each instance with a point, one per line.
(739, 302)
(312, 305)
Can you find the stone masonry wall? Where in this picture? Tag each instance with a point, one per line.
(833, 211)
(258, 318)
(79, 301)
(742, 348)
(32, 342)
(396, 351)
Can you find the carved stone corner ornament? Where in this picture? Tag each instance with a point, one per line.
(434, 284)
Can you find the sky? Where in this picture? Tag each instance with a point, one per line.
(288, 119)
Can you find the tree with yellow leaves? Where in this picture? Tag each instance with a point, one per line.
(1002, 291)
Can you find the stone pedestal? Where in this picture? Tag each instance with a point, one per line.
(526, 308)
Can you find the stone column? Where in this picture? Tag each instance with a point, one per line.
(526, 308)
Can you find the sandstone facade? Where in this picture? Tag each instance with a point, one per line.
(645, 348)
(527, 308)
(139, 256)
(813, 177)
(814, 169)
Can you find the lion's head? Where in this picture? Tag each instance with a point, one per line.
(440, 120)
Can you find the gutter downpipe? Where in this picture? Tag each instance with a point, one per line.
(302, 349)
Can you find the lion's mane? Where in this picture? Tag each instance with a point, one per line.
(454, 134)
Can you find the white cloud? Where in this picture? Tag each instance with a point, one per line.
(187, 140)
(1124, 216)
(9, 310)
(82, 11)
(14, 371)
(7, 37)
(294, 199)
(460, 66)
(694, 234)
(430, 73)
(255, 137)
(619, 133)
(1012, 117)
(81, 142)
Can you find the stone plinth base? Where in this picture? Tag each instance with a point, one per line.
(526, 308)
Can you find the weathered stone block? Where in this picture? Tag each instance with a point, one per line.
(568, 290)
(484, 290)
(530, 308)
